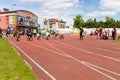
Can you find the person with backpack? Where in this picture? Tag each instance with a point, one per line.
(8, 30)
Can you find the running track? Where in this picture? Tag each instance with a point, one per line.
(71, 58)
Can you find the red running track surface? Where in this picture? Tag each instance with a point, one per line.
(71, 58)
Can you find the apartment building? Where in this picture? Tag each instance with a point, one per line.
(18, 20)
(54, 24)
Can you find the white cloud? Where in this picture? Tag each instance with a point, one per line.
(60, 9)
(95, 14)
(106, 8)
(110, 5)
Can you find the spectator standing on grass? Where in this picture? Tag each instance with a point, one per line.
(113, 33)
(81, 33)
(0, 32)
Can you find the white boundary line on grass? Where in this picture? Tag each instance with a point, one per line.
(40, 67)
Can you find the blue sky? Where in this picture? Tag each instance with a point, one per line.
(66, 9)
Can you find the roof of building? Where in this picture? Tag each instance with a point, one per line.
(27, 12)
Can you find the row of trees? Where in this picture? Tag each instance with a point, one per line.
(93, 23)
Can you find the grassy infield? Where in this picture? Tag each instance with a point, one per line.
(117, 40)
(12, 66)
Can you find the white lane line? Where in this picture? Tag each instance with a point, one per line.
(58, 49)
(40, 67)
(103, 69)
(28, 64)
(82, 62)
(100, 72)
(89, 52)
(107, 50)
(16, 50)
(114, 59)
(24, 60)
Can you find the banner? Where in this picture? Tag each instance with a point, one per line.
(12, 20)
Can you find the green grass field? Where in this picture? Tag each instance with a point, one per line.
(117, 40)
(12, 66)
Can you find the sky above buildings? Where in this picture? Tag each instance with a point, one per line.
(66, 9)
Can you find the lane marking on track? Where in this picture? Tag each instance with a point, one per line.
(89, 52)
(118, 47)
(24, 60)
(103, 69)
(16, 50)
(28, 64)
(100, 72)
(38, 65)
(82, 62)
(107, 50)
(114, 59)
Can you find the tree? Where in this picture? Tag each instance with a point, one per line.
(90, 23)
(93, 23)
(110, 22)
(78, 21)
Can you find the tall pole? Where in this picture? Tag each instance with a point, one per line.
(13, 6)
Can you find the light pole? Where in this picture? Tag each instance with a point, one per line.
(13, 6)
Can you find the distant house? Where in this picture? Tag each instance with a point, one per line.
(54, 24)
(18, 20)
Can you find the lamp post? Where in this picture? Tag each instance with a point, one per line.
(13, 6)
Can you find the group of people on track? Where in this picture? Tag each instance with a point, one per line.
(32, 33)
(104, 34)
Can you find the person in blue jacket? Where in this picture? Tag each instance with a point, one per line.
(8, 30)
